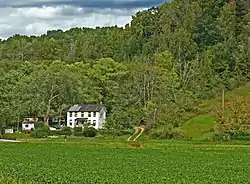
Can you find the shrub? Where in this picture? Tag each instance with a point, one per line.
(54, 132)
(78, 129)
(8, 136)
(235, 117)
(39, 124)
(127, 132)
(136, 145)
(89, 132)
(78, 134)
(28, 131)
(242, 136)
(176, 134)
(110, 132)
(154, 135)
(66, 131)
(167, 134)
(115, 132)
(40, 132)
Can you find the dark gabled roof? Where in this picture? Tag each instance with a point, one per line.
(28, 122)
(86, 108)
(74, 108)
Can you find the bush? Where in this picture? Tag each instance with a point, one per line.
(8, 136)
(241, 136)
(115, 132)
(15, 136)
(127, 132)
(136, 145)
(40, 124)
(55, 132)
(78, 129)
(235, 117)
(40, 132)
(66, 131)
(167, 134)
(154, 135)
(78, 134)
(176, 134)
(89, 132)
(110, 132)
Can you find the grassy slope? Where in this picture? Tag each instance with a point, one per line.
(200, 126)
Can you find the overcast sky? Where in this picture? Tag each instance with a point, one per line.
(35, 17)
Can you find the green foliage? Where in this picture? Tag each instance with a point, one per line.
(115, 132)
(78, 131)
(89, 132)
(197, 161)
(55, 132)
(40, 132)
(66, 131)
(241, 136)
(235, 118)
(168, 133)
(15, 136)
(157, 69)
(8, 136)
(78, 134)
(40, 124)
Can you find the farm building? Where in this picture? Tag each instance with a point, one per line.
(92, 114)
(29, 124)
(9, 131)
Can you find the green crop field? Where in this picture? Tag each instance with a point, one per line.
(156, 162)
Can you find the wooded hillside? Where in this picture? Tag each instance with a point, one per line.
(156, 69)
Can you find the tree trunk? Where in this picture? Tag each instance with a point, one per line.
(52, 97)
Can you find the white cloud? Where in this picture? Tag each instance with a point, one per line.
(35, 17)
(38, 13)
(37, 20)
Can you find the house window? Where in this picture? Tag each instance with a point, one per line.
(70, 114)
(75, 114)
(82, 114)
(89, 114)
(26, 126)
(70, 124)
(89, 121)
(94, 123)
(94, 114)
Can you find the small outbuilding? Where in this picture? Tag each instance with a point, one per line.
(28, 125)
(9, 131)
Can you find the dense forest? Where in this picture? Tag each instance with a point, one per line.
(156, 69)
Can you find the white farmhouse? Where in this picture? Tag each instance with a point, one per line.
(91, 114)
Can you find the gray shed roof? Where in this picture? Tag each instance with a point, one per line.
(86, 108)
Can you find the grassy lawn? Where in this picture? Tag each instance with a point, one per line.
(92, 161)
(200, 124)
(200, 127)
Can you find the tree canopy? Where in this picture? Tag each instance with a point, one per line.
(155, 69)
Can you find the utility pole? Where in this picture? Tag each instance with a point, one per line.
(223, 99)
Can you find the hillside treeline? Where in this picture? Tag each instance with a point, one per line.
(155, 69)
